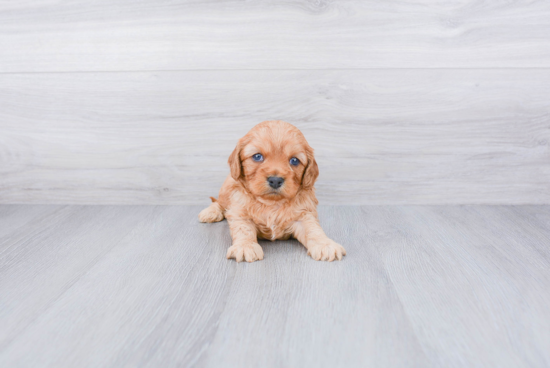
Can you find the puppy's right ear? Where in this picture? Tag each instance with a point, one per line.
(235, 162)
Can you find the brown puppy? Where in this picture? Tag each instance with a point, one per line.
(269, 194)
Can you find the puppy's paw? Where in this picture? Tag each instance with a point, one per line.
(212, 213)
(326, 250)
(249, 252)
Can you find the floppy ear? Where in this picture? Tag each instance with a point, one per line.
(235, 162)
(311, 173)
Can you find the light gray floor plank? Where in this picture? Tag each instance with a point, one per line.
(12, 217)
(422, 286)
(166, 35)
(537, 221)
(345, 314)
(380, 136)
(470, 282)
(157, 295)
(42, 260)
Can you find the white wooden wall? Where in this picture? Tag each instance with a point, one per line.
(405, 102)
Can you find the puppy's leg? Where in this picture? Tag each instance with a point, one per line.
(320, 247)
(245, 242)
(212, 213)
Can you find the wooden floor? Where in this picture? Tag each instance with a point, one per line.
(422, 286)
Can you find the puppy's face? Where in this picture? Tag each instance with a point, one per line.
(273, 161)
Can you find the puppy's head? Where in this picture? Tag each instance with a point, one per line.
(274, 161)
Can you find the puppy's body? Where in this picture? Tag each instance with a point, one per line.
(274, 219)
(272, 198)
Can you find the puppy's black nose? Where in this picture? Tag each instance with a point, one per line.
(275, 182)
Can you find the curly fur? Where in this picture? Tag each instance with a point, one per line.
(255, 210)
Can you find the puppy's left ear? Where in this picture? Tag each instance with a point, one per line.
(235, 162)
(311, 173)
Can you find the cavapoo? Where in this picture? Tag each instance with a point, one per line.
(269, 194)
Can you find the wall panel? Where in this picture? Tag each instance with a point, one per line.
(381, 136)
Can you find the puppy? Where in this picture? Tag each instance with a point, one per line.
(269, 194)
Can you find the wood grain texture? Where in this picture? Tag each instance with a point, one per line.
(421, 286)
(15, 216)
(167, 35)
(61, 246)
(381, 136)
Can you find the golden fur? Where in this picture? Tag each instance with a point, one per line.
(255, 210)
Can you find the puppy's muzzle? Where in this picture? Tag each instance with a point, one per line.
(275, 182)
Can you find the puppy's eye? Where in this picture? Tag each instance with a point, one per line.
(258, 157)
(294, 161)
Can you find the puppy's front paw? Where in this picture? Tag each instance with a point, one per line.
(249, 252)
(212, 213)
(326, 250)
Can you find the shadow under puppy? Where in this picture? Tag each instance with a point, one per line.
(269, 194)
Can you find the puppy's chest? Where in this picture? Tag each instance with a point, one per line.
(273, 223)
